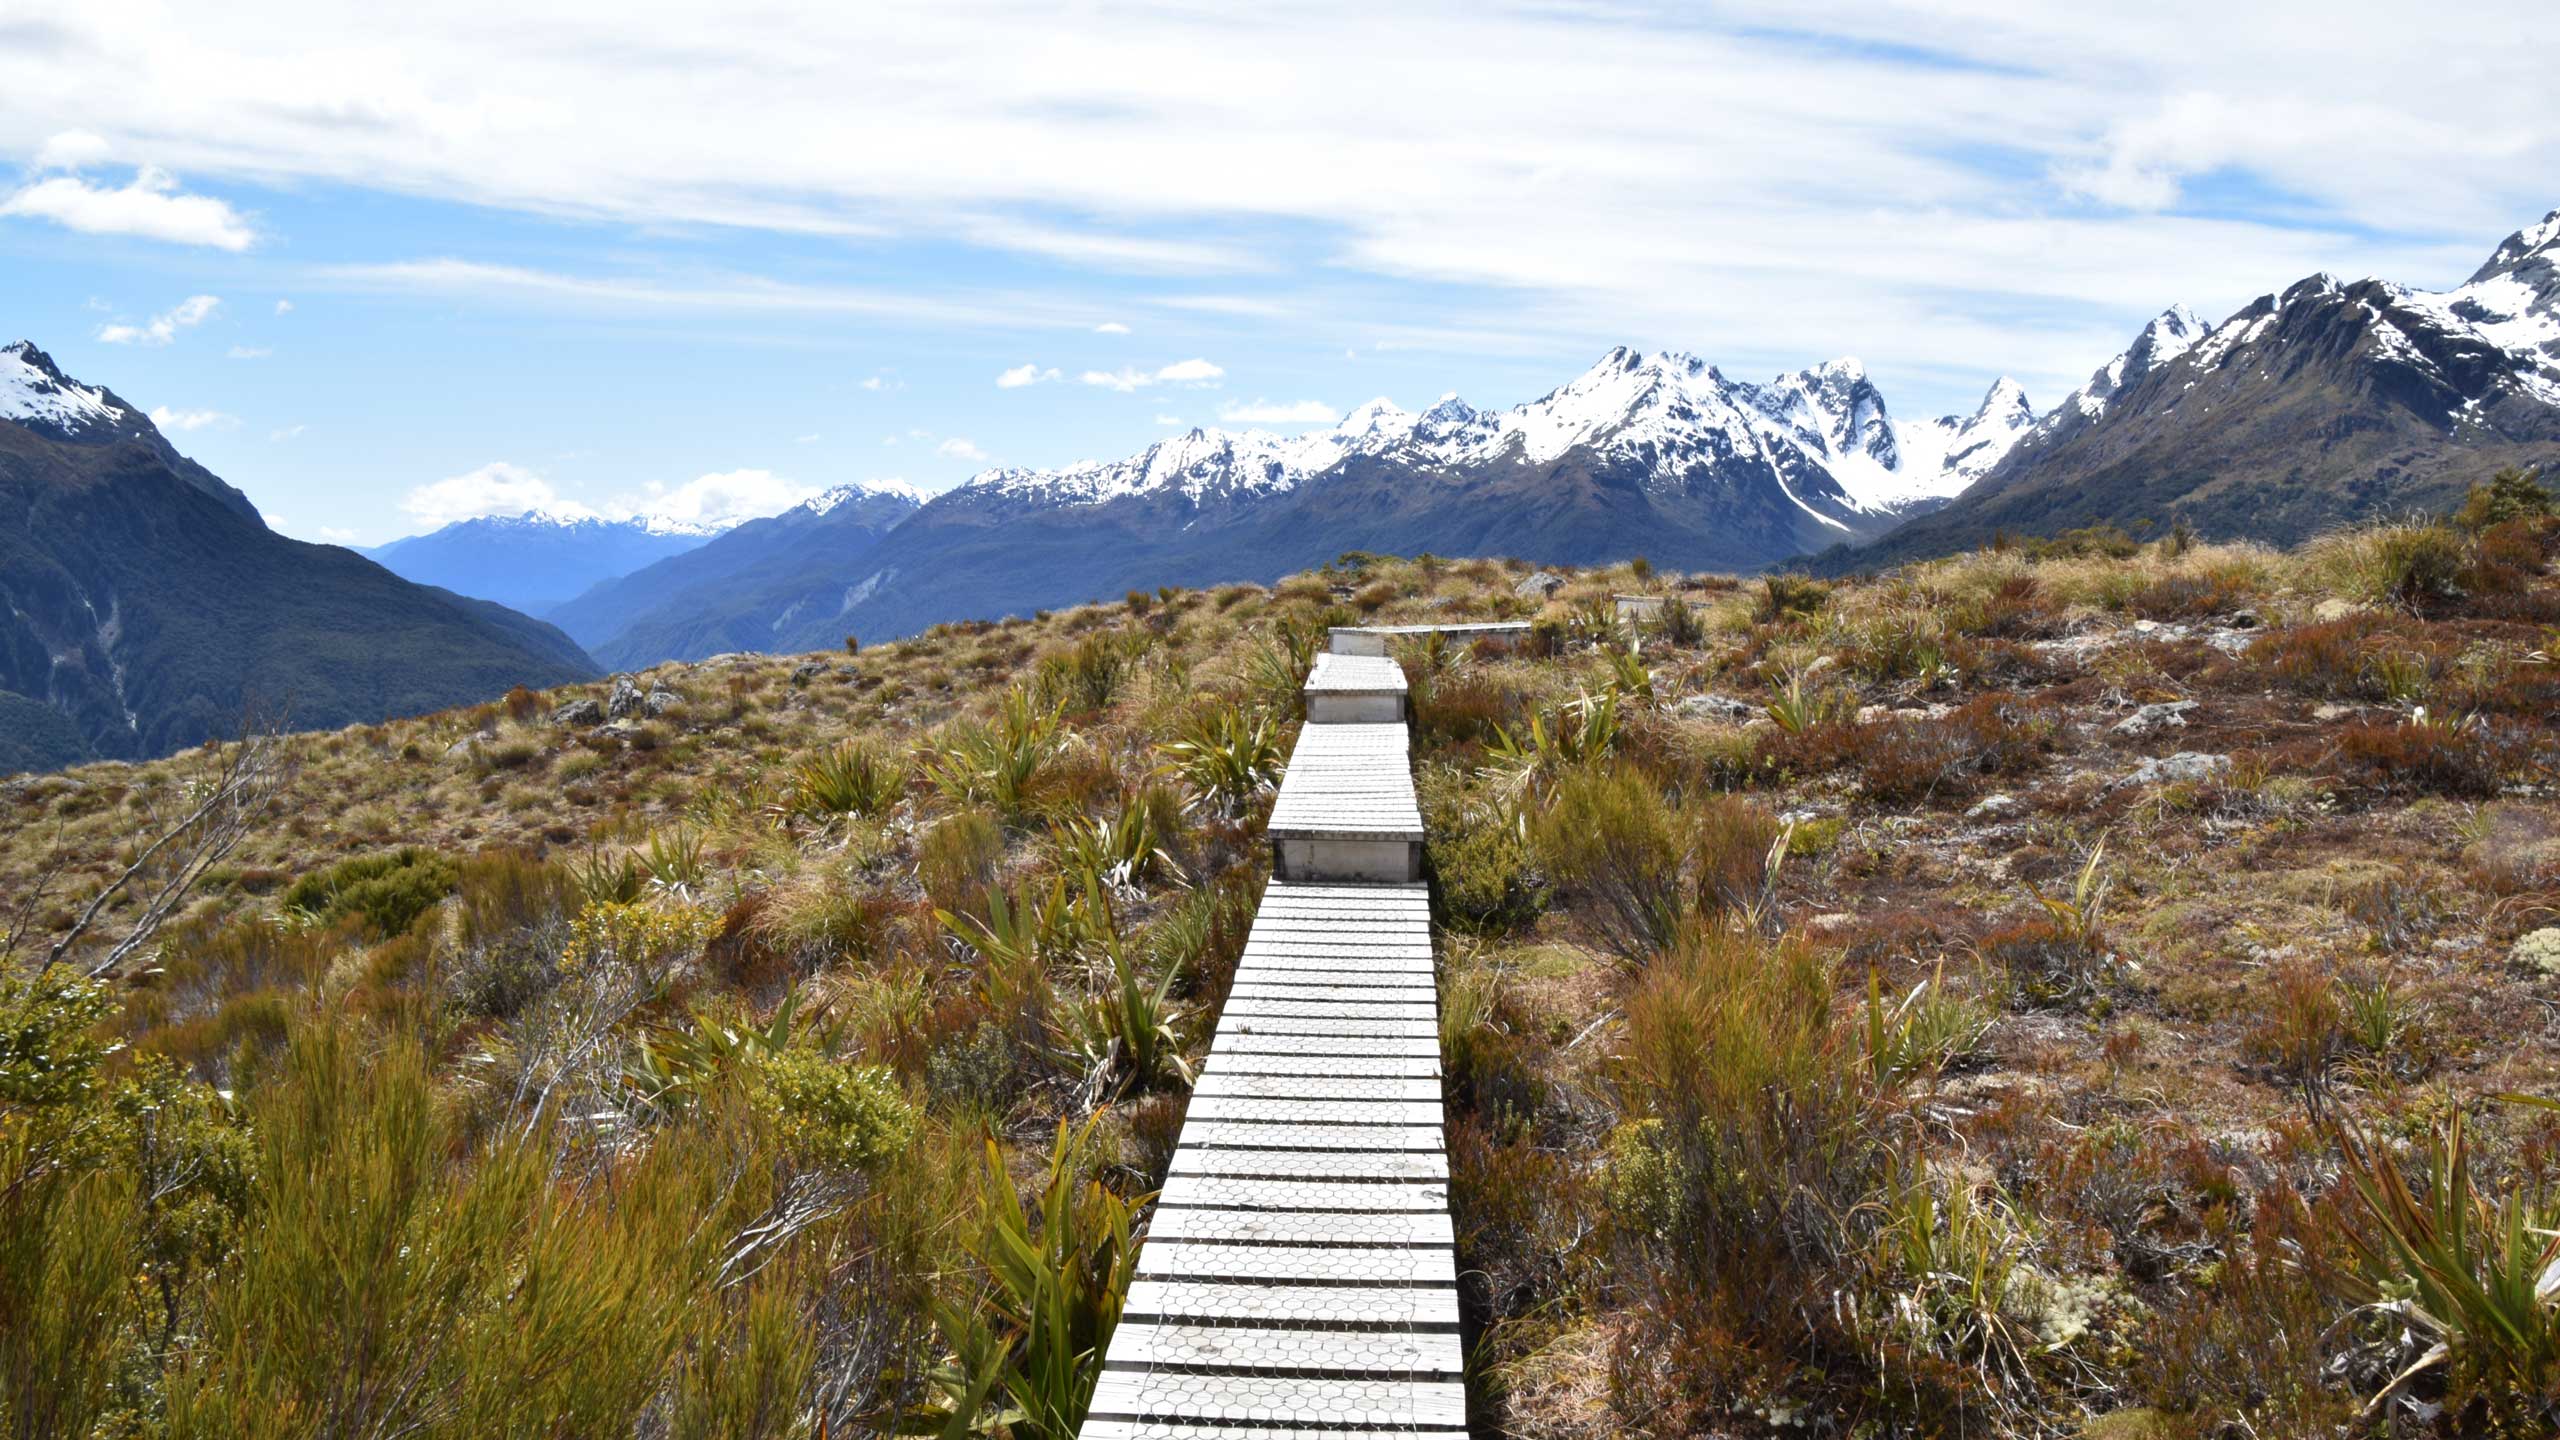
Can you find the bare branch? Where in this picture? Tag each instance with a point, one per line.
(245, 779)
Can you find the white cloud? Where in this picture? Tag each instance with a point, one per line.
(168, 419)
(284, 307)
(1190, 372)
(720, 498)
(960, 449)
(149, 206)
(289, 432)
(72, 150)
(723, 498)
(1110, 327)
(496, 488)
(1950, 187)
(1174, 421)
(164, 327)
(1128, 378)
(812, 438)
(249, 352)
(1021, 375)
(1267, 412)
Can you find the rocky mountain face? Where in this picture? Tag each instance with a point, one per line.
(535, 561)
(1656, 453)
(741, 589)
(144, 607)
(2330, 403)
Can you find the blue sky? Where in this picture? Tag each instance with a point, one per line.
(384, 271)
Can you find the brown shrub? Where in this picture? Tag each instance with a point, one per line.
(2412, 758)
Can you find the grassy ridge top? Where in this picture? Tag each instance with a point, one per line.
(1965, 999)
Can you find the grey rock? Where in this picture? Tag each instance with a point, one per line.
(659, 701)
(1992, 807)
(1714, 707)
(803, 674)
(1540, 585)
(2168, 715)
(579, 713)
(625, 700)
(2186, 766)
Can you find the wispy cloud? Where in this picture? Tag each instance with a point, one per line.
(958, 448)
(164, 327)
(149, 206)
(1267, 412)
(1021, 375)
(285, 433)
(169, 419)
(248, 352)
(1110, 327)
(1128, 378)
(1942, 185)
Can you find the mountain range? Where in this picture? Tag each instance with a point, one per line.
(145, 606)
(2329, 403)
(147, 601)
(537, 560)
(1658, 452)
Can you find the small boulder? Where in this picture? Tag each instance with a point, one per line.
(1540, 585)
(803, 674)
(1993, 807)
(580, 714)
(2334, 608)
(625, 700)
(2539, 951)
(2167, 715)
(2330, 711)
(659, 701)
(1712, 706)
(2185, 767)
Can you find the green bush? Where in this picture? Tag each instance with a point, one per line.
(842, 1117)
(1656, 869)
(2511, 494)
(390, 890)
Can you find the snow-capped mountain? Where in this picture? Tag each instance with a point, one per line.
(36, 394)
(536, 560)
(2331, 402)
(1823, 436)
(145, 607)
(1648, 452)
(728, 592)
(36, 397)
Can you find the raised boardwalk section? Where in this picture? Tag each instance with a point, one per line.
(1299, 1277)
(1346, 809)
(1355, 689)
(1374, 639)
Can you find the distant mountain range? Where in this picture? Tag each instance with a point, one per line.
(146, 599)
(2328, 404)
(2332, 402)
(538, 560)
(741, 590)
(145, 606)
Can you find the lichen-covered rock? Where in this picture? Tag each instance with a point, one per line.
(625, 700)
(581, 714)
(1539, 585)
(2185, 767)
(2539, 951)
(2169, 714)
(659, 701)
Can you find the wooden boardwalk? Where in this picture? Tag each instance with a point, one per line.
(1299, 1276)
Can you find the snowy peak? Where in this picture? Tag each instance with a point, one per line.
(1824, 432)
(2533, 243)
(837, 496)
(1835, 410)
(35, 393)
(2170, 334)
